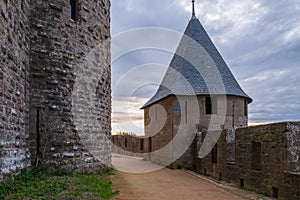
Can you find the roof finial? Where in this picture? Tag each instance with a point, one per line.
(193, 15)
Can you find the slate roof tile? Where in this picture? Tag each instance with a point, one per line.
(197, 68)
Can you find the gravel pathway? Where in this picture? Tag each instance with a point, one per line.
(171, 184)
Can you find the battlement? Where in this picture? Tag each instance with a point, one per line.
(264, 158)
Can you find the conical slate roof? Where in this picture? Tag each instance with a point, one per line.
(197, 68)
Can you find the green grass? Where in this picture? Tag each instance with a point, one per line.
(247, 189)
(179, 166)
(45, 183)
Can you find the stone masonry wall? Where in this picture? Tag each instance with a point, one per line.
(129, 145)
(14, 86)
(235, 113)
(61, 67)
(265, 159)
(70, 82)
(159, 130)
(167, 119)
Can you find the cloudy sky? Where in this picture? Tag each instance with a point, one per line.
(258, 39)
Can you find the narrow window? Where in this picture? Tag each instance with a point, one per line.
(275, 193)
(242, 183)
(233, 114)
(73, 4)
(246, 107)
(142, 144)
(150, 144)
(186, 113)
(256, 156)
(208, 106)
(214, 154)
(126, 142)
(211, 105)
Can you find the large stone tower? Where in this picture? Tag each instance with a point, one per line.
(64, 35)
(55, 84)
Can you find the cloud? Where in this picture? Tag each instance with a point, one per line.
(265, 76)
(276, 95)
(130, 14)
(127, 115)
(259, 40)
(139, 80)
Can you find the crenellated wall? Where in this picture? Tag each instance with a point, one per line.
(264, 158)
(129, 145)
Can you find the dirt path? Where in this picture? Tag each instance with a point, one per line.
(165, 184)
(170, 184)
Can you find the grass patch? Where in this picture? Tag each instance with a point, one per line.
(111, 170)
(45, 183)
(179, 166)
(247, 189)
(264, 194)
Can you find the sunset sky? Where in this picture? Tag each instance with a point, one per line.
(258, 39)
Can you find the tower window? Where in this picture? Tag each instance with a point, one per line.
(73, 4)
(186, 113)
(214, 154)
(208, 106)
(142, 144)
(275, 193)
(211, 105)
(246, 107)
(125, 142)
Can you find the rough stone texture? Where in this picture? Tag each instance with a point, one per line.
(50, 62)
(129, 145)
(293, 147)
(14, 86)
(63, 63)
(230, 143)
(159, 130)
(272, 167)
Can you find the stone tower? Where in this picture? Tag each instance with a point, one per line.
(55, 84)
(64, 34)
(198, 93)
